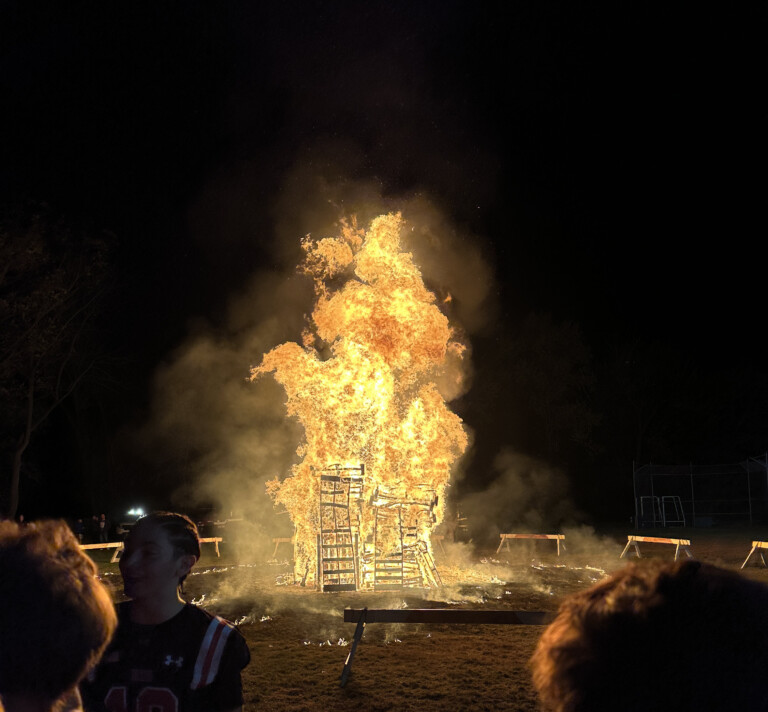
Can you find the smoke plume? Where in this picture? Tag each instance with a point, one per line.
(227, 436)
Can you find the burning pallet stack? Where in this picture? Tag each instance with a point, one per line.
(395, 556)
(378, 360)
(338, 560)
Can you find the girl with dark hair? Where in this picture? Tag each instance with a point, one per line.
(167, 655)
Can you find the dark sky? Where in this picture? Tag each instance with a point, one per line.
(602, 154)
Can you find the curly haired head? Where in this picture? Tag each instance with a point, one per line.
(678, 636)
(56, 617)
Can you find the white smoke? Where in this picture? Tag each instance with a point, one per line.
(229, 436)
(527, 496)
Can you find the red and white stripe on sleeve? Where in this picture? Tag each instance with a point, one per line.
(211, 650)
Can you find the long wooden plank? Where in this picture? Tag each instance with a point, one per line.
(362, 616)
(447, 615)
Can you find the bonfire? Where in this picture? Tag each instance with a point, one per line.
(380, 442)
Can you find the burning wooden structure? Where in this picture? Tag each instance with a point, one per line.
(396, 556)
(369, 384)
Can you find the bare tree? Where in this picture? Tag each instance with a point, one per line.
(52, 278)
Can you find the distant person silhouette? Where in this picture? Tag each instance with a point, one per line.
(79, 530)
(102, 527)
(682, 636)
(56, 617)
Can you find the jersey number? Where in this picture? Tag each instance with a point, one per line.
(150, 699)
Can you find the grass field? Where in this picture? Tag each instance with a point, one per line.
(299, 641)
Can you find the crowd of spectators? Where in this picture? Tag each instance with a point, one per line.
(97, 529)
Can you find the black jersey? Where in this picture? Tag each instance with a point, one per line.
(190, 663)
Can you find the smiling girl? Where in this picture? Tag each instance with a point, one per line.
(167, 655)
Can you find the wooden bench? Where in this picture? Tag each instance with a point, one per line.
(559, 538)
(756, 546)
(118, 546)
(361, 616)
(633, 540)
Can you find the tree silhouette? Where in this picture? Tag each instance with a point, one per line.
(52, 278)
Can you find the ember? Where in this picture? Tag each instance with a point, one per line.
(379, 440)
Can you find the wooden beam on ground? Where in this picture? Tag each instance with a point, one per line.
(756, 546)
(632, 540)
(451, 616)
(471, 616)
(559, 538)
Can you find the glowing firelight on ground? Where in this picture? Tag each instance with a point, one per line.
(364, 385)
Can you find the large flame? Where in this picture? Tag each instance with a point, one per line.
(363, 384)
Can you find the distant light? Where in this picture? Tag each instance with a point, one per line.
(136, 512)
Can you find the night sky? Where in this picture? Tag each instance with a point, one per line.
(601, 157)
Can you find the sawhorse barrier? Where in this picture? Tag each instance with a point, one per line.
(281, 540)
(438, 539)
(756, 545)
(559, 538)
(118, 546)
(361, 616)
(632, 540)
(215, 540)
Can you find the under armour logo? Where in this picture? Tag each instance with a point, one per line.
(170, 661)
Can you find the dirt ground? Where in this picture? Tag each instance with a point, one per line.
(299, 641)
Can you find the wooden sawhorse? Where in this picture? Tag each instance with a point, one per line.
(438, 538)
(280, 540)
(559, 538)
(215, 540)
(118, 546)
(632, 540)
(756, 546)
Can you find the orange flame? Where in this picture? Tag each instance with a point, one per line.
(363, 382)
